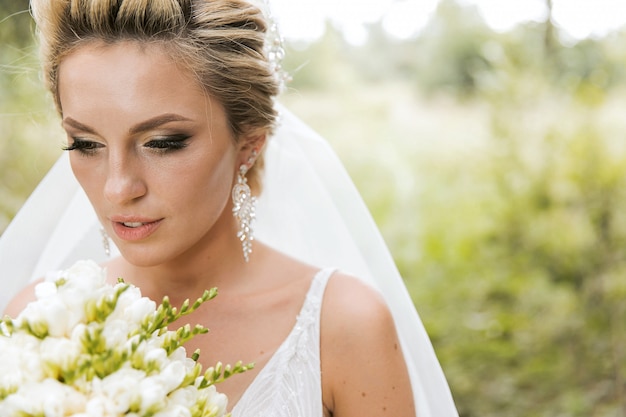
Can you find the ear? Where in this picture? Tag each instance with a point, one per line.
(250, 146)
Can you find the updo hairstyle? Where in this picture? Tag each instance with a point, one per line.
(220, 41)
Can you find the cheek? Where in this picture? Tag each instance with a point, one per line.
(88, 176)
(204, 184)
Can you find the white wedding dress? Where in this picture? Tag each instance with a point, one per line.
(309, 209)
(290, 384)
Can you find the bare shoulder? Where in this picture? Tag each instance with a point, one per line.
(349, 301)
(19, 302)
(358, 340)
(355, 312)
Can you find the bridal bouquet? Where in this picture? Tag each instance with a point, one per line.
(88, 349)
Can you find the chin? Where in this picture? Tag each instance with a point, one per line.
(143, 257)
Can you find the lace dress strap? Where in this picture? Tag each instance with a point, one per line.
(290, 384)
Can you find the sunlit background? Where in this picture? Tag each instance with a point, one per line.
(305, 20)
(488, 138)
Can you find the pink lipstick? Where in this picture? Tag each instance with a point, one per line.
(133, 229)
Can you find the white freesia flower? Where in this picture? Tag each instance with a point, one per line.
(180, 355)
(59, 352)
(88, 349)
(186, 396)
(49, 315)
(48, 397)
(10, 372)
(116, 332)
(138, 309)
(172, 376)
(19, 361)
(85, 275)
(217, 402)
(122, 387)
(155, 354)
(100, 405)
(77, 333)
(174, 410)
(152, 393)
(45, 289)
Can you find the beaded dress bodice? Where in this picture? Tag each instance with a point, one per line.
(290, 384)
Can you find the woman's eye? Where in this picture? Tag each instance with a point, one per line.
(168, 143)
(86, 147)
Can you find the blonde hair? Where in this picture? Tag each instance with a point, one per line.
(220, 41)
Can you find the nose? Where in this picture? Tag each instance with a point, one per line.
(124, 181)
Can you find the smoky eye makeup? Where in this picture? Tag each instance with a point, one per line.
(167, 143)
(82, 146)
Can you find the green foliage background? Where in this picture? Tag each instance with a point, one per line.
(494, 164)
(31, 136)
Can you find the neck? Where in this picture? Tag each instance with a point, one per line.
(187, 276)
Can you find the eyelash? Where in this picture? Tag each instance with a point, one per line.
(166, 144)
(85, 147)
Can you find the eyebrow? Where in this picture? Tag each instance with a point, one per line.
(77, 125)
(144, 126)
(157, 121)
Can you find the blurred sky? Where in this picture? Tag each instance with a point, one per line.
(304, 19)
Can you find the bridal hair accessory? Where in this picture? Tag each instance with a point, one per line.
(274, 46)
(105, 241)
(244, 207)
(275, 53)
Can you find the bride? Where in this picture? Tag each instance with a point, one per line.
(170, 117)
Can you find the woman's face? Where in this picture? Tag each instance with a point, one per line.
(152, 151)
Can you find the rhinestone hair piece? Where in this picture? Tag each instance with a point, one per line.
(274, 44)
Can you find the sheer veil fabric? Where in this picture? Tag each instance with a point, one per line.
(309, 209)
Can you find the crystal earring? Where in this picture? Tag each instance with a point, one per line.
(244, 207)
(105, 241)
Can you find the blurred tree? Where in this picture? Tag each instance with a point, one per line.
(323, 65)
(550, 41)
(449, 54)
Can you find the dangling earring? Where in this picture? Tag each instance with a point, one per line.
(244, 207)
(105, 241)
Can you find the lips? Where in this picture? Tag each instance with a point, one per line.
(134, 229)
(133, 224)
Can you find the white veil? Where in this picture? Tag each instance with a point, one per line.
(309, 208)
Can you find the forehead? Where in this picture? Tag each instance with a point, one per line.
(125, 60)
(129, 77)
